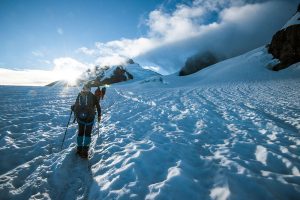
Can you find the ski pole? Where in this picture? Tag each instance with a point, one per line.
(66, 130)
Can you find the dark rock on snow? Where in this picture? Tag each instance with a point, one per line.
(119, 75)
(198, 62)
(285, 46)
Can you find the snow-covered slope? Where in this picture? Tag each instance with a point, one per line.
(253, 66)
(293, 21)
(139, 73)
(230, 131)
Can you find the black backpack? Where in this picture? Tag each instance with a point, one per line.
(85, 108)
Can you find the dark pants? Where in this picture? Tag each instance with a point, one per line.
(84, 135)
(84, 130)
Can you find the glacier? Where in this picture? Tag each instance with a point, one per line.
(230, 131)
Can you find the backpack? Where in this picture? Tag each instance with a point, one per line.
(84, 108)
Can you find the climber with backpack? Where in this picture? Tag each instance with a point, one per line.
(84, 109)
(103, 90)
(98, 93)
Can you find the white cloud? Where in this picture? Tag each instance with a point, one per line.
(68, 64)
(238, 26)
(118, 51)
(86, 51)
(60, 31)
(175, 26)
(164, 28)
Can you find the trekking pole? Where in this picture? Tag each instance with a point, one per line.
(98, 128)
(74, 120)
(66, 130)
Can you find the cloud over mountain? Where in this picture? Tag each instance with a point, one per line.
(226, 27)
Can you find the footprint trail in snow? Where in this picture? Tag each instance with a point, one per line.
(207, 142)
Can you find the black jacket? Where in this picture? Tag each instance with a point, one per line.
(88, 100)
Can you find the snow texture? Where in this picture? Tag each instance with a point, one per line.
(230, 131)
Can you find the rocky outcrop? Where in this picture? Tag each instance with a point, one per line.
(198, 62)
(119, 74)
(285, 45)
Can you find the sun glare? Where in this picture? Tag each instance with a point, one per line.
(68, 69)
(69, 76)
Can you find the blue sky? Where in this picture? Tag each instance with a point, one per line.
(65, 36)
(36, 31)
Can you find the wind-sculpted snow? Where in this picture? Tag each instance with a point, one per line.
(227, 141)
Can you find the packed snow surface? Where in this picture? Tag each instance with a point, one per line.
(193, 137)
